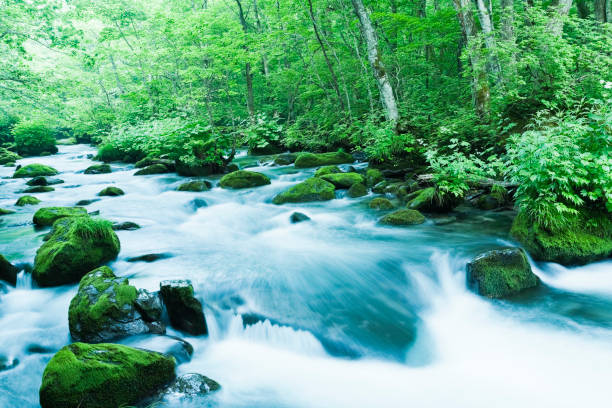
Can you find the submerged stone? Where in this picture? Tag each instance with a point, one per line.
(87, 202)
(197, 203)
(189, 385)
(244, 179)
(297, 217)
(125, 226)
(312, 189)
(304, 160)
(103, 376)
(43, 181)
(38, 189)
(149, 257)
(98, 169)
(153, 169)
(403, 217)
(46, 216)
(184, 310)
(33, 170)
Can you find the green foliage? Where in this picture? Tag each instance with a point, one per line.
(33, 138)
(263, 133)
(6, 125)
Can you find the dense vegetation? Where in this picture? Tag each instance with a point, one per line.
(514, 90)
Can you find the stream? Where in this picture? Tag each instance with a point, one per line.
(334, 312)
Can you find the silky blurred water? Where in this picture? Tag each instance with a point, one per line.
(335, 312)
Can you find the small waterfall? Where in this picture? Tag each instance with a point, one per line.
(24, 280)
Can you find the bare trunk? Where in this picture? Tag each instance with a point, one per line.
(560, 10)
(609, 11)
(486, 25)
(600, 11)
(248, 75)
(119, 84)
(387, 96)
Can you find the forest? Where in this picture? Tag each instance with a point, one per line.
(439, 128)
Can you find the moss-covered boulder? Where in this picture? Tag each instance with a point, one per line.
(304, 160)
(343, 180)
(38, 189)
(184, 310)
(194, 170)
(103, 376)
(43, 181)
(312, 189)
(501, 272)
(587, 237)
(125, 226)
(496, 198)
(8, 157)
(111, 192)
(27, 200)
(380, 203)
(4, 211)
(34, 170)
(357, 190)
(327, 170)
(105, 308)
(153, 169)
(46, 216)
(76, 245)
(98, 169)
(373, 177)
(195, 186)
(243, 179)
(8, 272)
(430, 200)
(285, 159)
(403, 217)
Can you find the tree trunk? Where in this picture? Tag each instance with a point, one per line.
(119, 84)
(600, 11)
(486, 25)
(560, 11)
(609, 11)
(582, 8)
(248, 75)
(384, 86)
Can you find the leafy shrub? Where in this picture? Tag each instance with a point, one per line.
(263, 133)
(6, 124)
(33, 138)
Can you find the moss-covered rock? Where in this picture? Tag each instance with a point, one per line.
(104, 308)
(76, 245)
(46, 216)
(496, 198)
(111, 192)
(153, 169)
(380, 203)
(501, 272)
(380, 187)
(343, 180)
(103, 376)
(244, 179)
(98, 169)
(43, 181)
(327, 170)
(4, 211)
(586, 238)
(8, 157)
(194, 170)
(33, 170)
(184, 310)
(195, 186)
(8, 272)
(403, 217)
(87, 202)
(357, 190)
(285, 159)
(304, 160)
(312, 189)
(27, 200)
(125, 226)
(149, 161)
(430, 200)
(373, 177)
(38, 189)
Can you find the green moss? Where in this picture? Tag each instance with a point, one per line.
(322, 159)
(373, 177)
(76, 245)
(403, 217)
(46, 216)
(586, 238)
(343, 180)
(111, 192)
(312, 189)
(357, 190)
(430, 200)
(103, 376)
(4, 211)
(194, 186)
(152, 169)
(285, 159)
(380, 203)
(327, 170)
(98, 169)
(33, 170)
(27, 200)
(244, 179)
(501, 273)
(8, 157)
(39, 189)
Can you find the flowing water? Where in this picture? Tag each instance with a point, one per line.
(336, 312)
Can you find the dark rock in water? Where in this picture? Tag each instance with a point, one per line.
(243, 179)
(181, 350)
(27, 200)
(189, 385)
(197, 203)
(4, 288)
(43, 181)
(105, 308)
(76, 245)
(184, 310)
(195, 186)
(90, 156)
(125, 226)
(270, 148)
(150, 161)
(149, 305)
(38, 349)
(46, 216)
(312, 189)
(111, 192)
(444, 220)
(8, 272)
(38, 189)
(98, 169)
(4, 211)
(87, 202)
(188, 170)
(92, 213)
(285, 159)
(153, 169)
(322, 159)
(380, 203)
(298, 217)
(357, 190)
(149, 257)
(7, 363)
(403, 217)
(501, 272)
(232, 167)
(103, 376)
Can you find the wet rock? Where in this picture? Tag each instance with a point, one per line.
(125, 226)
(403, 217)
(189, 385)
(184, 310)
(38, 189)
(192, 170)
(232, 167)
(27, 200)
(87, 202)
(373, 177)
(181, 350)
(195, 186)
(150, 257)
(98, 169)
(149, 305)
(150, 161)
(8, 157)
(243, 179)
(105, 308)
(312, 189)
(285, 159)
(197, 203)
(33, 170)
(444, 220)
(429, 200)
(76, 245)
(46, 216)
(38, 349)
(102, 376)
(153, 169)
(92, 213)
(7, 363)
(380, 187)
(4, 211)
(380, 203)
(43, 181)
(298, 217)
(357, 190)
(111, 192)
(327, 170)
(304, 160)
(501, 272)
(8, 272)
